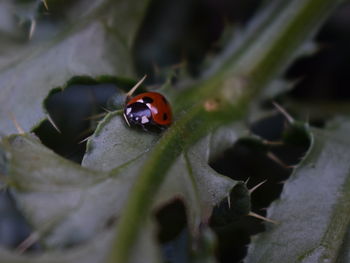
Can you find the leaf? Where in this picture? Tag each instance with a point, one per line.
(114, 144)
(7, 22)
(190, 178)
(51, 195)
(94, 251)
(94, 45)
(58, 198)
(313, 210)
(68, 204)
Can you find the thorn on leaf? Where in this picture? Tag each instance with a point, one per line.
(20, 130)
(283, 111)
(262, 218)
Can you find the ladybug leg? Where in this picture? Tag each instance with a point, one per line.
(162, 128)
(144, 128)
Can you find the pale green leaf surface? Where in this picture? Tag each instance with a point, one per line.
(93, 251)
(7, 21)
(91, 47)
(313, 209)
(190, 178)
(68, 204)
(58, 197)
(195, 181)
(114, 144)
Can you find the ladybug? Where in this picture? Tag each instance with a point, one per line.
(149, 110)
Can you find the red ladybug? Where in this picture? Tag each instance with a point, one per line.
(150, 110)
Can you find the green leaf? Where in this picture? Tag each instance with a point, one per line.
(313, 211)
(94, 254)
(115, 145)
(68, 204)
(52, 195)
(93, 43)
(94, 251)
(190, 178)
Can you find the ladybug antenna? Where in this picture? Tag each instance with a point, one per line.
(136, 86)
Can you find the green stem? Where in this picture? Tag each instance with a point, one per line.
(228, 91)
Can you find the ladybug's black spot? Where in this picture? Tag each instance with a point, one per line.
(165, 116)
(147, 99)
(165, 101)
